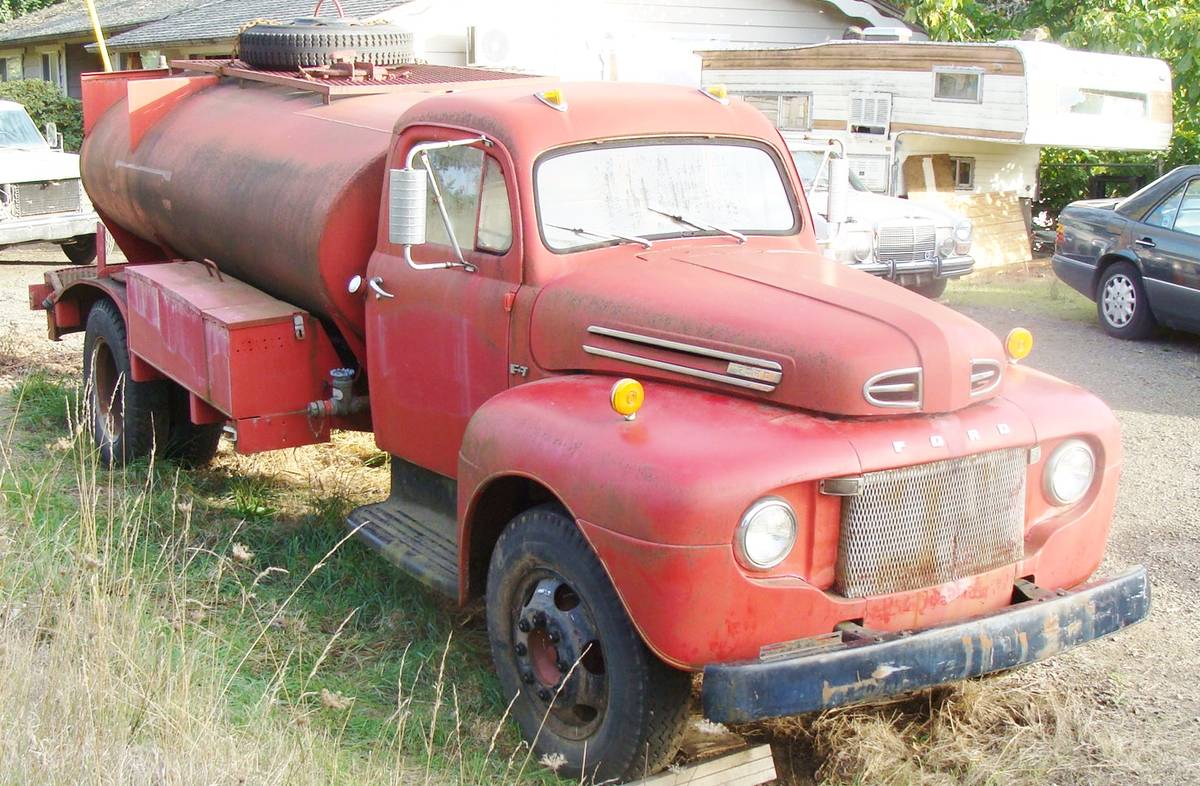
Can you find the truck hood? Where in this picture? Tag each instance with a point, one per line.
(785, 325)
(31, 166)
(867, 208)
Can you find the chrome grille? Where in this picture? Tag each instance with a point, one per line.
(898, 389)
(985, 376)
(54, 196)
(928, 524)
(905, 242)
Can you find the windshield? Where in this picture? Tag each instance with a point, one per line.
(640, 191)
(17, 130)
(813, 170)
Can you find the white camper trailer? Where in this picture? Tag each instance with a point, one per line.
(958, 124)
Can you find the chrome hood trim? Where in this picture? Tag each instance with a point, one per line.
(743, 371)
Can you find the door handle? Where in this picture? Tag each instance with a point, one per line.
(1145, 241)
(376, 285)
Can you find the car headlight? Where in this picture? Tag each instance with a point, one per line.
(766, 534)
(945, 241)
(963, 233)
(853, 245)
(1069, 472)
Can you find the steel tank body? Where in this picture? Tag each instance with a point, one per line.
(277, 188)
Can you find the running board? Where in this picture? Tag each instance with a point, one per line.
(416, 528)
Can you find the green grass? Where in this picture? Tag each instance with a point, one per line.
(1039, 292)
(245, 578)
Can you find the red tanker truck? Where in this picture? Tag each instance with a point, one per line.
(627, 401)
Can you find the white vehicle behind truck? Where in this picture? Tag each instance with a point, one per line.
(41, 197)
(917, 246)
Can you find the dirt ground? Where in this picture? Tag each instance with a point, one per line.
(1145, 682)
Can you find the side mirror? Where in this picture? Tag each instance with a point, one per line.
(406, 206)
(53, 138)
(839, 190)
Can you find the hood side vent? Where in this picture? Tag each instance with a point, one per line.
(985, 376)
(897, 389)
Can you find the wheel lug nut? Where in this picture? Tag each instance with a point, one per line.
(539, 618)
(523, 625)
(520, 649)
(554, 637)
(544, 694)
(527, 678)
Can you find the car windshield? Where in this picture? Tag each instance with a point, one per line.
(17, 130)
(814, 172)
(650, 189)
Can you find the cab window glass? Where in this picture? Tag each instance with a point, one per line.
(1164, 214)
(495, 217)
(1188, 218)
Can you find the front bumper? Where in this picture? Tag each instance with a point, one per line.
(948, 267)
(873, 667)
(52, 227)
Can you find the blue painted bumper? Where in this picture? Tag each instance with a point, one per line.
(874, 667)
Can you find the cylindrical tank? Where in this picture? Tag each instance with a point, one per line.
(277, 188)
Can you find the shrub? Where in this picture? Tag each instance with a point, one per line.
(46, 103)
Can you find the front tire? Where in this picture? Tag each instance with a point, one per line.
(587, 687)
(1122, 305)
(129, 419)
(81, 249)
(933, 289)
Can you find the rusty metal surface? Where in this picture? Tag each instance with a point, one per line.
(928, 524)
(866, 669)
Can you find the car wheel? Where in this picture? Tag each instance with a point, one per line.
(81, 250)
(586, 686)
(933, 289)
(129, 419)
(1121, 303)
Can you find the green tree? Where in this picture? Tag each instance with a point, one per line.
(11, 9)
(45, 103)
(1166, 29)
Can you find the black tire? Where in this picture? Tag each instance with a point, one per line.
(81, 249)
(129, 419)
(933, 289)
(544, 576)
(188, 443)
(311, 42)
(1122, 305)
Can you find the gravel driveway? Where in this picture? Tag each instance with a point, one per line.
(1147, 678)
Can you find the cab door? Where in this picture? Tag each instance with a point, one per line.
(437, 339)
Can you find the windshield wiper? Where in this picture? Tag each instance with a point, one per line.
(696, 223)
(643, 242)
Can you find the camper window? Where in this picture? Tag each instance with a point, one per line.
(1106, 103)
(958, 84)
(964, 174)
(787, 111)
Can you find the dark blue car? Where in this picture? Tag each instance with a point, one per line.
(1138, 258)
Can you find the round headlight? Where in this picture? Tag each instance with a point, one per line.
(1069, 472)
(861, 245)
(962, 236)
(766, 534)
(945, 244)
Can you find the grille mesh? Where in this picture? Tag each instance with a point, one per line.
(906, 242)
(927, 524)
(55, 196)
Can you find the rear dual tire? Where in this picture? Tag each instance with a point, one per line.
(129, 419)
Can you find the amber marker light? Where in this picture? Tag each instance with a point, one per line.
(717, 93)
(627, 398)
(1019, 344)
(553, 98)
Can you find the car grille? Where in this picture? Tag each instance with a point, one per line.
(905, 242)
(54, 196)
(928, 524)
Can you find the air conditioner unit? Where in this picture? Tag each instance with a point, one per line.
(490, 47)
(870, 113)
(902, 34)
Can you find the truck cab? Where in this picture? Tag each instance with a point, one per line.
(628, 402)
(41, 197)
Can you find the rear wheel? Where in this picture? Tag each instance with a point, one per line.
(586, 686)
(81, 250)
(129, 419)
(1121, 303)
(188, 443)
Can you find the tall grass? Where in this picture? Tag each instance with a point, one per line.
(159, 627)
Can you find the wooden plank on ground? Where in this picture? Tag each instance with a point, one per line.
(749, 767)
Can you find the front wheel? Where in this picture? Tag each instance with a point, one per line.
(81, 250)
(1121, 303)
(933, 288)
(586, 686)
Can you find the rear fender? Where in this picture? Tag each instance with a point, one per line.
(69, 294)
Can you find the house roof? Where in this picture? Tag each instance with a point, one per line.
(64, 20)
(221, 20)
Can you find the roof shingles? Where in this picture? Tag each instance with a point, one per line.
(68, 19)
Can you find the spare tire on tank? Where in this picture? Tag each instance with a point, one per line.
(310, 41)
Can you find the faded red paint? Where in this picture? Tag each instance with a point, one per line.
(480, 376)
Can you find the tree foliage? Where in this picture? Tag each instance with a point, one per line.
(1166, 29)
(45, 103)
(11, 9)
